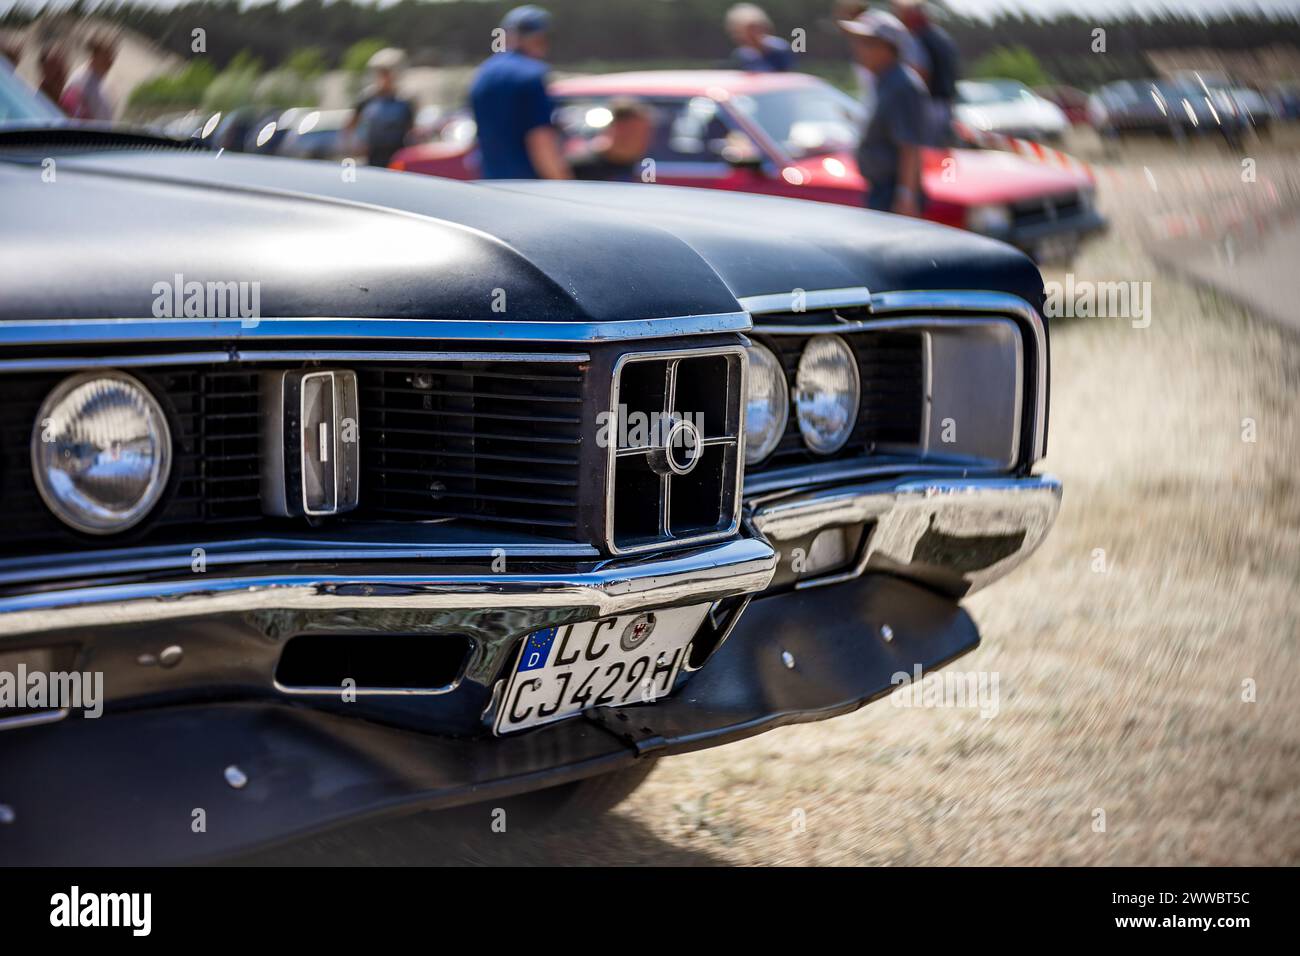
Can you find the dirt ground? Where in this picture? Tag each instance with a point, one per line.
(1121, 689)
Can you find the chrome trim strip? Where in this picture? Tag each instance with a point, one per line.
(295, 691)
(780, 482)
(702, 575)
(33, 720)
(982, 513)
(180, 558)
(807, 300)
(288, 355)
(99, 330)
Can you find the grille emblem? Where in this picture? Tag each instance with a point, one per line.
(311, 450)
(682, 444)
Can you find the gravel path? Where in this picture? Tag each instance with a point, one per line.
(1121, 690)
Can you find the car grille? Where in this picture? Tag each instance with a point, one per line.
(891, 369)
(1034, 212)
(489, 443)
(497, 444)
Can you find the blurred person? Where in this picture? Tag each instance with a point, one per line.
(942, 60)
(84, 96)
(512, 107)
(757, 49)
(383, 118)
(615, 154)
(913, 55)
(54, 72)
(889, 153)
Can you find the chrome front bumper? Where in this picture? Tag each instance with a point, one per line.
(955, 535)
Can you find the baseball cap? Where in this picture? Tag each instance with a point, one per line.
(389, 58)
(527, 19)
(878, 24)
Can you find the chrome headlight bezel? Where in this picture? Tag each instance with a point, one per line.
(803, 402)
(759, 355)
(88, 518)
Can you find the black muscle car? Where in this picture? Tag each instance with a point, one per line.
(331, 492)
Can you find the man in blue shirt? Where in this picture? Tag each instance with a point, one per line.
(512, 107)
(757, 50)
(889, 154)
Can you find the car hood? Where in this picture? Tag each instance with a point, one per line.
(322, 239)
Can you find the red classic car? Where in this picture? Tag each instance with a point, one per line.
(789, 134)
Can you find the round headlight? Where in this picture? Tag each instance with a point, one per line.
(101, 451)
(826, 393)
(768, 404)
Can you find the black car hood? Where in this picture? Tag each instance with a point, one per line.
(93, 240)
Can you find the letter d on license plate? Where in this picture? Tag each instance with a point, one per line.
(632, 659)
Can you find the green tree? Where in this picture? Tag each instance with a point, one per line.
(1011, 63)
(359, 54)
(234, 85)
(181, 90)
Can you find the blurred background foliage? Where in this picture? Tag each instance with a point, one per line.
(302, 40)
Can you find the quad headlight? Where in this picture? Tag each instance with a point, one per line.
(767, 406)
(101, 451)
(827, 393)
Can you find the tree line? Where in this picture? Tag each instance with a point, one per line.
(665, 32)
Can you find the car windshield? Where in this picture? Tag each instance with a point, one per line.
(993, 91)
(20, 105)
(805, 122)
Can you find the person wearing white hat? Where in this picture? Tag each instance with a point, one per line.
(889, 153)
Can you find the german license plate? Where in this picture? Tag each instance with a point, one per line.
(563, 670)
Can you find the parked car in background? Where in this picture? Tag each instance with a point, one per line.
(1010, 108)
(787, 134)
(1254, 107)
(1072, 101)
(1285, 100)
(344, 540)
(1177, 108)
(317, 134)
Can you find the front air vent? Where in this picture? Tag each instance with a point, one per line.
(674, 440)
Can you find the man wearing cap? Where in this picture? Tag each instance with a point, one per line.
(889, 153)
(512, 107)
(384, 118)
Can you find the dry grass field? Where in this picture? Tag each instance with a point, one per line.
(1121, 690)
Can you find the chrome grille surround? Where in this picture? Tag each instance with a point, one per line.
(668, 384)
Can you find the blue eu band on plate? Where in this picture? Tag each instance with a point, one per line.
(562, 671)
